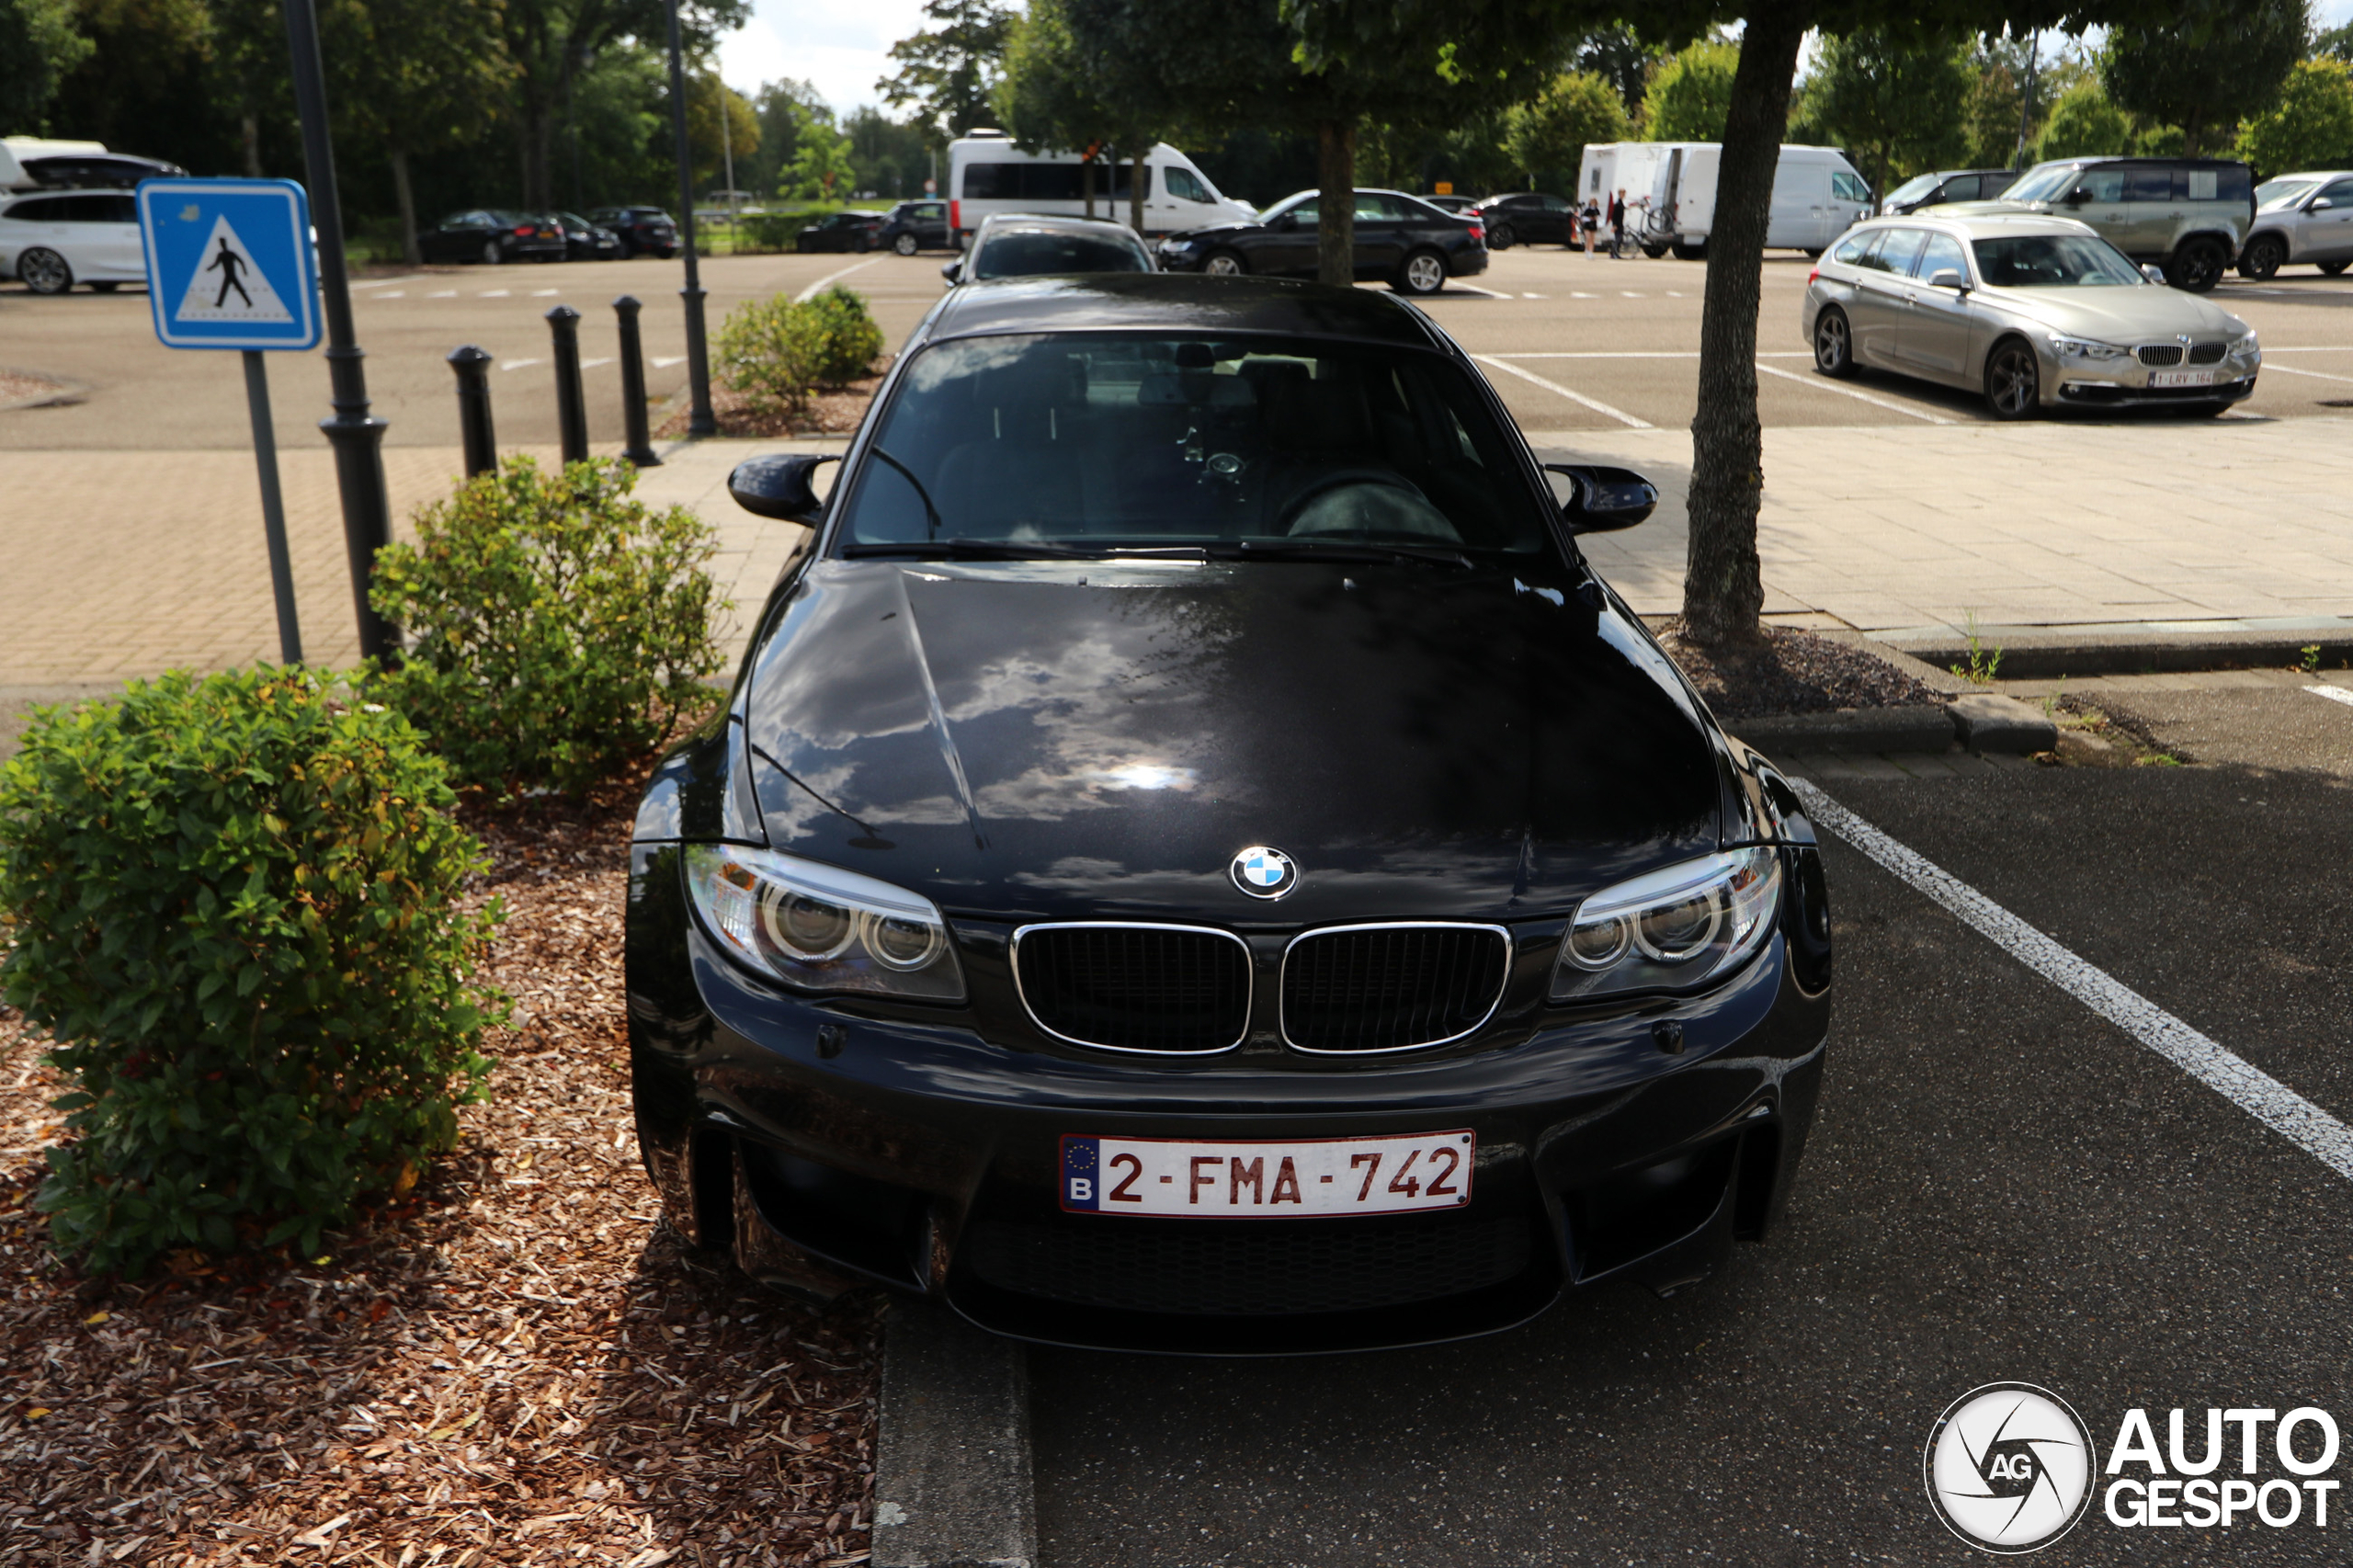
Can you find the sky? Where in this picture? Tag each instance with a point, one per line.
(844, 46)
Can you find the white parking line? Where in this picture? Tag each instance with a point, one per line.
(1818, 385)
(380, 282)
(1475, 288)
(1594, 403)
(1629, 294)
(545, 293)
(1578, 294)
(2333, 693)
(2226, 1073)
(2316, 375)
(1532, 296)
(518, 364)
(592, 364)
(493, 294)
(390, 294)
(661, 363)
(442, 294)
(817, 287)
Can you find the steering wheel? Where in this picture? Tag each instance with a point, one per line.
(1331, 481)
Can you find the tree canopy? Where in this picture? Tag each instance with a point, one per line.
(2225, 65)
(39, 44)
(1897, 107)
(2309, 125)
(947, 72)
(2084, 123)
(1548, 133)
(1689, 93)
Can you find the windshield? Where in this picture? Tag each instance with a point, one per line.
(2054, 261)
(1029, 253)
(2280, 192)
(2041, 183)
(1096, 441)
(1919, 185)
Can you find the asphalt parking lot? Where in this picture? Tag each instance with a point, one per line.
(2002, 1186)
(1574, 343)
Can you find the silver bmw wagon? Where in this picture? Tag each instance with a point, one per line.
(2034, 313)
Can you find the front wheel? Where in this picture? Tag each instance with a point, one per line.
(1224, 263)
(2264, 256)
(1424, 273)
(44, 271)
(905, 244)
(1834, 343)
(2196, 265)
(2013, 380)
(1694, 252)
(493, 253)
(104, 288)
(1501, 237)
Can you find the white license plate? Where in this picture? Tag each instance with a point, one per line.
(1187, 1179)
(2181, 378)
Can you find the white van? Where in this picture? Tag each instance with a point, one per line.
(988, 174)
(1817, 196)
(1632, 166)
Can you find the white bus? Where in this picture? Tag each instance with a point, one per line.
(988, 174)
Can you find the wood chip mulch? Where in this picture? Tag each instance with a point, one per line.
(1790, 672)
(23, 389)
(515, 1364)
(830, 412)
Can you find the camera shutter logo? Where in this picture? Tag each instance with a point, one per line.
(2009, 1466)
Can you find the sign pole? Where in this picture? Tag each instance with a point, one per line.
(357, 438)
(273, 507)
(700, 421)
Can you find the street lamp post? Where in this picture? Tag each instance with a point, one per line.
(356, 437)
(700, 422)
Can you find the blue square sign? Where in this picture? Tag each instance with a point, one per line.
(229, 263)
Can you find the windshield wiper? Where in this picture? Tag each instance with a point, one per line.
(1019, 550)
(1301, 550)
(930, 512)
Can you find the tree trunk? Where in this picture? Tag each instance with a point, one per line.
(249, 128)
(407, 198)
(1723, 591)
(1335, 172)
(1086, 182)
(1135, 191)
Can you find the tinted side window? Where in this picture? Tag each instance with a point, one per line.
(1942, 251)
(1183, 186)
(2157, 184)
(2102, 184)
(42, 211)
(2339, 192)
(1962, 187)
(1849, 187)
(1850, 249)
(1902, 248)
(2234, 184)
(988, 182)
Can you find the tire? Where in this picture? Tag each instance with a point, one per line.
(1225, 264)
(2013, 380)
(2331, 269)
(1696, 252)
(1654, 252)
(2264, 256)
(493, 253)
(1501, 237)
(1423, 274)
(1834, 343)
(44, 271)
(905, 244)
(104, 288)
(2197, 264)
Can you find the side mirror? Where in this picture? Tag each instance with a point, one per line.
(1284, 224)
(2154, 273)
(953, 272)
(1603, 500)
(2077, 196)
(2320, 204)
(1949, 277)
(779, 486)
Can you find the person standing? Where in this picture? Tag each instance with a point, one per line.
(1618, 224)
(1589, 220)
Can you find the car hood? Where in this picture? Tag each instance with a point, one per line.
(1073, 739)
(1211, 230)
(2121, 315)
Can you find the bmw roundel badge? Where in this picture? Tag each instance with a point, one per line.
(1263, 871)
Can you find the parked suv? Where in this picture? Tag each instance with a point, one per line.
(2301, 218)
(2188, 215)
(912, 226)
(1941, 186)
(642, 230)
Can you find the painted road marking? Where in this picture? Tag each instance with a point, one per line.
(1532, 296)
(518, 364)
(592, 364)
(662, 364)
(1631, 295)
(1475, 288)
(2225, 1071)
(1594, 403)
(493, 294)
(1821, 385)
(390, 294)
(545, 293)
(2316, 375)
(2333, 693)
(384, 282)
(1575, 294)
(442, 294)
(817, 287)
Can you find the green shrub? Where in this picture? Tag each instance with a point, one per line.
(770, 231)
(230, 902)
(557, 629)
(776, 353)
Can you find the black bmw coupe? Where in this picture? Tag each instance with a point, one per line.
(1194, 860)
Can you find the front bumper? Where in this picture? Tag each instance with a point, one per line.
(832, 1143)
(2073, 386)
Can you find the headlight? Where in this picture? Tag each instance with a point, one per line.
(2083, 348)
(819, 928)
(1670, 929)
(2246, 348)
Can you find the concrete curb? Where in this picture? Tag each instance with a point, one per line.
(952, 1484)
(1981, 721)
(2046, 656)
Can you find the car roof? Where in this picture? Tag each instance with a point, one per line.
(1185, 302)
(1049, 222)
(1980, 225)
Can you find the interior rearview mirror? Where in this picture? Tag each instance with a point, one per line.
(1949, 277)
(780, 486)
(1602, 500)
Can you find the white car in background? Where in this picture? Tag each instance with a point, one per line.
(2305, 217)
(50, 240)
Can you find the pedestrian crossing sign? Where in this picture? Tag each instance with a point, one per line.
(229, 263)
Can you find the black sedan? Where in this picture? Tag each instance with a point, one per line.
(643, 231)
(840, 231)
(584, 241)
(1400, 240)
(913, 226)
(1529, 218)
(493, 234)
(1196, 860)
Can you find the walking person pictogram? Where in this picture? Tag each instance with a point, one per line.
(228, 263)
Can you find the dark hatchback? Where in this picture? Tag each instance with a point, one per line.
(1529, 218)
(913, 226)
(584, 241)
(1400, 240)
(643, 231)
(1194, 860)
(1939, 186)
(492, 235)
(854, 232)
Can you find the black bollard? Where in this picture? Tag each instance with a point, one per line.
(639, 452)
(471, 366)
(571, 413)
